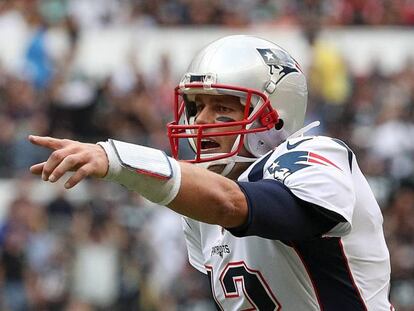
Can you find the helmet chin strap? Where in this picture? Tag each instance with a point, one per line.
(229, 162)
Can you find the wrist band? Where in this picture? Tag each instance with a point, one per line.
(145, 170)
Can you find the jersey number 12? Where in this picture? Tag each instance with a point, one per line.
(256, 292)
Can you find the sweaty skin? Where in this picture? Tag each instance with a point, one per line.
(203, 195)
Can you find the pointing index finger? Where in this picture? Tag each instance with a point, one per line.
(48, 142)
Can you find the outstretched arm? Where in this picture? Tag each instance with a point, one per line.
(193, 191)
(202, 195)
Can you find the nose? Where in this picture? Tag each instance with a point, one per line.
(204, 116)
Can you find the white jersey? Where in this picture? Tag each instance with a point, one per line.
(346, 269)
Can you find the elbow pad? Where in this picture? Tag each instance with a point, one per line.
(145, 170)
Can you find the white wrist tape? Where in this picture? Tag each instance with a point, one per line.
(145, 170)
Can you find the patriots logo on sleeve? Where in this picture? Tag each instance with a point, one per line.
(291, 162)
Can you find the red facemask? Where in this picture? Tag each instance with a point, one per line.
(180, 127)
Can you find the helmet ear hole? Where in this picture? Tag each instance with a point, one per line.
(279, 124)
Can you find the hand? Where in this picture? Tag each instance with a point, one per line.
(69, 155)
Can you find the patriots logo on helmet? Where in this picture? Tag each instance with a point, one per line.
(276, 59)
(291, 162)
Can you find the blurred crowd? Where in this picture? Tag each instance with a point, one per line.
(234, 13)
(115, 251)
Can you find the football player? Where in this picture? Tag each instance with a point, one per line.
(275, 219)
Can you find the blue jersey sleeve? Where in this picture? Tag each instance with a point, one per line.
(276, 213)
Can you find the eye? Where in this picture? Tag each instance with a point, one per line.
(223, 109)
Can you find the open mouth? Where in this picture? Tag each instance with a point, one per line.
(208, 144)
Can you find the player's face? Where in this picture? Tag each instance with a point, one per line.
(219, 109)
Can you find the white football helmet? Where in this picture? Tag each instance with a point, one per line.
(269, 83)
